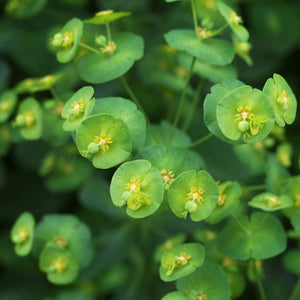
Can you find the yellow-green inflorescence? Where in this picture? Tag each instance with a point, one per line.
(101, 142)
(170, 261)
(194, 199)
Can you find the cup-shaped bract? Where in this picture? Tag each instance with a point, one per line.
(139, 185)
(212, 51)
(22, 233)
(60, 265)
(181, 261)
(282, 98)
(104, 139)
(127, 111)
(194, 193)
(229, 193)
(270, 202)
(67, 40)
(65, 232)
(30, 120)
(234, 21)
(245, 115)
(106, 66)
(77, 108)
(107, 16)
(8, 101)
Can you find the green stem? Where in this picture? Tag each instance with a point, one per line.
(259, 283)
(89, 48)
(239, 223)
(296, 291)
(193, 106)
(182, 100)
(219, 31)
(54, 94)
(194, 14)
(108, 31)
(200, 141)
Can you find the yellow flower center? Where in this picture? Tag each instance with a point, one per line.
(210, 235)
(259, 146)
(23, 234)
(133, 185)
(167, 177)
(273, 201)
(46, 79)
(68, 39)
(235, 19)
(61, 242)
(29, 118)
(110, 48)
(201, 296)
(168, 245)
(203, 33)
(78, 107)
(5, 106)
(228, 261)
(104, 12)
(244, 113)
(195, 195)
(59, 265)
(221, 199)
(103, 141)
(209, 4)
(283, 99)
(182, 259)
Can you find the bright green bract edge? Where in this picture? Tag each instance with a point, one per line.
(138, 185)
(107, 16)
(105, 140)
(103, 67)
(212, 51)
(8, 101)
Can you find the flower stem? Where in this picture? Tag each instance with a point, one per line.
(219, 31)
(54, 94)
(108, 31)
(194, 14)
(200, 141)
(182, 100)
(296, 291)
(89, 48)
(259, 283)
(189, 118)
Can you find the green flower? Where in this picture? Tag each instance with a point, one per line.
(8, 101)
(22, 234)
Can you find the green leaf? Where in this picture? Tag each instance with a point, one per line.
(103, 67)
(291, 261)
(106, 16)
(208, 281)
(262, 237)
(60, 265)
(24, 9)
(282, 99)
(77, 108)
(138, 185)
(194, 193)
(104, 139)
(177, 295)
(64, 232)
(295, 219)
(212, 51)
(8, 101)
(22, 234)
(187, 258)
(127, 111)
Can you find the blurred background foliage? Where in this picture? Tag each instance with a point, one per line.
(123, 267)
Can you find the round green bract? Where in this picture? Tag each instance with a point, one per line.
(150, 184)
(182, 185)
(120, 148)
(272, 90)
(238, 30)
(218, 92)
(127, 111)
(75, 26)
(212, 51)
(34, 131)
(27, 221)
(107, 18)
(73, 121)
(265, 237)
(74, 232)
(103, 67)
(66, 276)
(261, 201)
(245, 97)
(291, 261)
(8, 101)
(232, 191)
(210, 280)
(197, 253)
(177, 295)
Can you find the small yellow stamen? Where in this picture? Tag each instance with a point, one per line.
(104, 12)
(103, 141)
(273, 200)
(195, 195)
(283, 98)
(23, 234)
(182, 259)
(133, 185)
(228, 261)
(110, 48)
(244, 113)
(59, 265)
(58, 108)
(201, 296)
(61, 242)
(235, 19)
(221, 199)
(167, 177)
(203, 33)
(78, 107)
(29, 118)
(210, 235)
(46, 79)
(68, 39)
(297, 200)
(168, 245)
